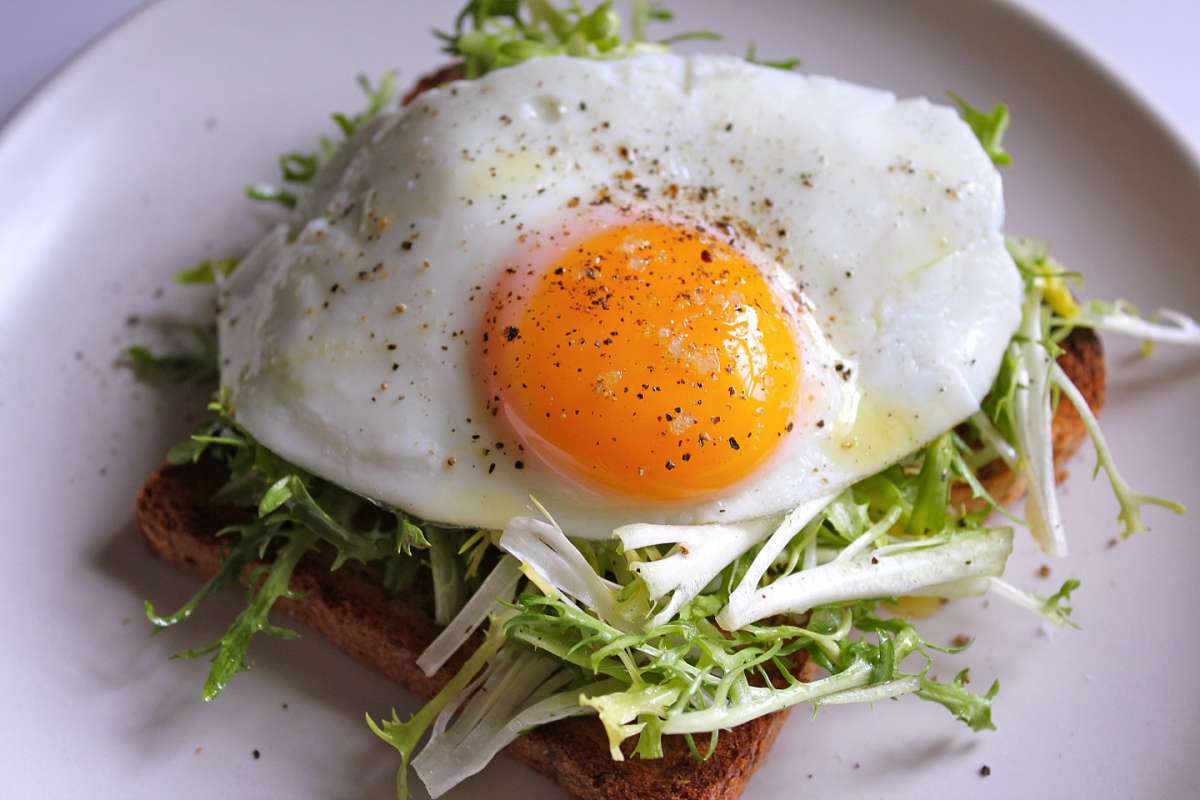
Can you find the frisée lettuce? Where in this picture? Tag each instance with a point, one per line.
(665, 630)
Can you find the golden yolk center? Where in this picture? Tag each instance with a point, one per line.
(649, 359)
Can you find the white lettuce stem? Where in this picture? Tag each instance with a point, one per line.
(810, 554)
(1034, 418)
(465, 740)
(1030, 602)
(873, 694)
(766, 700)
(542, 547)
(968, 555)
(792, 524)
(1131, 501)
(954, 590)
(448, 588)
(1163, 325)
(702, 552)
(497, 587)
(993, 440)
(855, 548)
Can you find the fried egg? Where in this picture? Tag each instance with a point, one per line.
(667, 289)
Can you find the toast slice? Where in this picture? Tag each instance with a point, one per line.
(348, 607)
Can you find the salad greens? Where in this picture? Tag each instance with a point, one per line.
(290, 514)
(988, 128)
(197, 366)
(665, 630)
(492, 34)
(299, 169)
(206, 272)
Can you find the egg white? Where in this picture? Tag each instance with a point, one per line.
(349, 337)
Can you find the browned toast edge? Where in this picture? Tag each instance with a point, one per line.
(175, 519)
(347, 607)
(1083, 362)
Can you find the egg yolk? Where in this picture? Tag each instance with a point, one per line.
(648, 359)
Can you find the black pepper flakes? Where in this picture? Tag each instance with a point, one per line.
(984, 771)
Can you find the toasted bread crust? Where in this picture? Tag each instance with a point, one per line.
(432, 80)
(346, 606)
(179, 524)
(1083, 362)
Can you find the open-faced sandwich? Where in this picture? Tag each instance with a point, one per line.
(612, 399)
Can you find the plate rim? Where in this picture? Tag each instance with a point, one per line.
(1180, 141)
(1187, 146)
(26, 116)
(44, 85)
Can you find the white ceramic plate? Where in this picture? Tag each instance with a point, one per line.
(131, 163)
